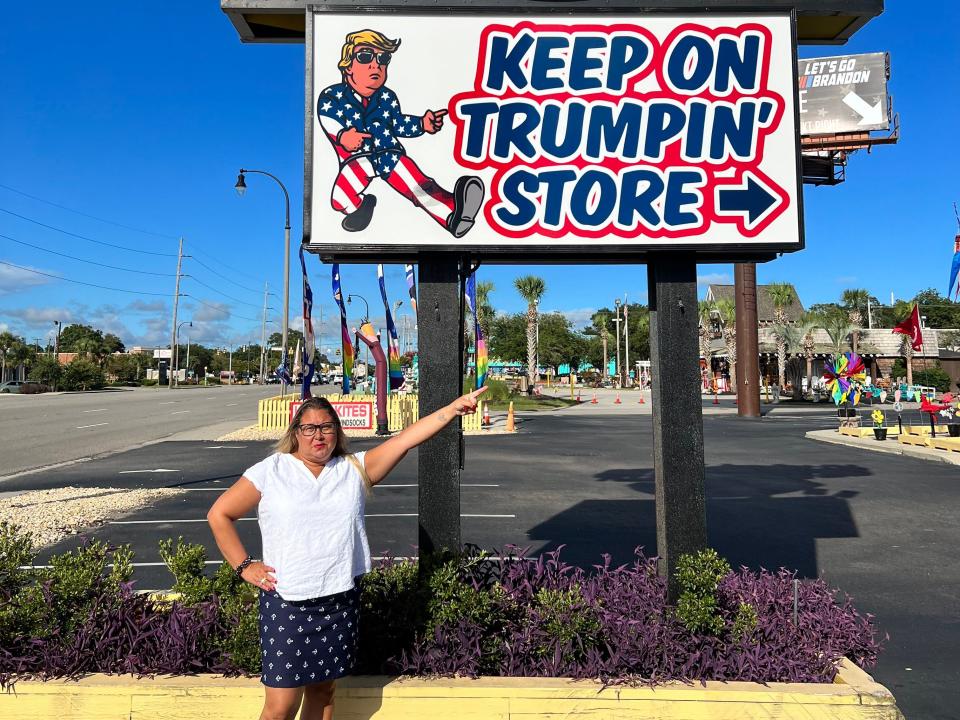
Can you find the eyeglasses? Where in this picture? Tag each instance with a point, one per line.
(365, 57)
(311, 430)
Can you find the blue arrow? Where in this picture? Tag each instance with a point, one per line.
(754, 199)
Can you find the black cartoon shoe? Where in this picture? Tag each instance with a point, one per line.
(360, 218)
(467, 198)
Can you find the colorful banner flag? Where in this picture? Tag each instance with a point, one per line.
(481, 360)
(393, 340)
(344, 330)
(911, 326)
(953, 288)
(307, 353)
(411, 287)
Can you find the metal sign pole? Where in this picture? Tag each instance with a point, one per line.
(678, 420)
(441, 360)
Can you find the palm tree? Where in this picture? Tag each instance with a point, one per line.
(727, 311)
(531, 289)
(808, 324)
(838, 327)
(855, 300)
(8, 348)
(782, 295)
(705, 311)
(786, 336)
(485, 311)
(600, 323)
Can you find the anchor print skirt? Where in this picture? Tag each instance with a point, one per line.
(308, 641)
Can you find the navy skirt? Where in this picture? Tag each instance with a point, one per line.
(308, 641)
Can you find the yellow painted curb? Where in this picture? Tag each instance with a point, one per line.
(104, 697)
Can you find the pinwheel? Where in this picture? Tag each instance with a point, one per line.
(844, 378)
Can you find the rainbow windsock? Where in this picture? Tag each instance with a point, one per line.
(393, 340)
(482, 362)
(844, 377)
(344, 330)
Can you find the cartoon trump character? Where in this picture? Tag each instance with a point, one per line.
(364, 122)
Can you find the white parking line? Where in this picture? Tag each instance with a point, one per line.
(97, 410)
(231, 404)
(84, 427)
(171, 402)
(415, 485)
(158, 470)
(247, 519)
(179, 412)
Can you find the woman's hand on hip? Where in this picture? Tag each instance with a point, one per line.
(260, 576)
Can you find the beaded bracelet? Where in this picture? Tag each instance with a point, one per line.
(243, 566)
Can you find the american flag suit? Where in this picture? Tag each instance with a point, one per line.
(340, 108)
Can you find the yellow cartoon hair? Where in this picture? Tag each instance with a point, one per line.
(365, 37)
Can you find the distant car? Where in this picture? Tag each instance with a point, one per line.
(13, 386)
(272, 380)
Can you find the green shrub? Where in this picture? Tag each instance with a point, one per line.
(698, 577)
(744, 622)
(932, 377)
(567, 619)
(82, 374)
(46, 370)
(497, 390)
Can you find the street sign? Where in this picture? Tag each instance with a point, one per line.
(844, 94)
(555, 136)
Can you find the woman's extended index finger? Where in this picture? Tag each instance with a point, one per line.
(478, 393)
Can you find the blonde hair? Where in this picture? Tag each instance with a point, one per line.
(364, 37)
(289, 442)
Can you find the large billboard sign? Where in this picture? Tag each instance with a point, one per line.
(553, 136)
(844, 94)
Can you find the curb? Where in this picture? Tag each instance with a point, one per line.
(854, 694)
(889, 447)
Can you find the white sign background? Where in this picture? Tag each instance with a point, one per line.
(438, 58)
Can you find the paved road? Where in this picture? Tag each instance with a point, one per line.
(881, 527)
(41, 430)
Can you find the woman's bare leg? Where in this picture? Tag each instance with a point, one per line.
(281, 703)
(318, 701)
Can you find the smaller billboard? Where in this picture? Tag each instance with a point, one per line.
(844, 94)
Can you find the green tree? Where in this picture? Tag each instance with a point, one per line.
(837, 326)
(46, 370)
(82, 374)
(485, 311)
(705, 312)
(113, 344)
(508, 337)
(8, 344)
(855, 300)
(72, 337)
(601, 324)
(940, 311)
(531, 289)
(124, 368)
(727, 312)
(809, 323)
(782, 296)
(559, 344)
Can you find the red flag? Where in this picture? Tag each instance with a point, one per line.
(911, 327)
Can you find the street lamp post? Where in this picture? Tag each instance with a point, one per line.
(241, 187)
(176, 353)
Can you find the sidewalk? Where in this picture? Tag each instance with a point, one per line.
(889, 446)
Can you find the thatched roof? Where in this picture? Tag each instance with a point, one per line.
(765, 309)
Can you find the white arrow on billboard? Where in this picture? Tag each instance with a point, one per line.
(869, 114)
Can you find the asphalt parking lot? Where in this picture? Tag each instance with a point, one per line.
(881, 527)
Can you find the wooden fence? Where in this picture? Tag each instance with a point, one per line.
(402, 410)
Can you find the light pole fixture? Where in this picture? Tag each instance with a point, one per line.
(241, 187)
(366, 305)
(616, 305)
(176, 353)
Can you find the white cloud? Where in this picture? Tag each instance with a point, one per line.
(848, 280)
(714, 279)
(14, 279)
(579, 318)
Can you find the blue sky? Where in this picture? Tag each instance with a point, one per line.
(139, 118)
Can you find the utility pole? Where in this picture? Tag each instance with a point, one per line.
(626, 344)
(263, 332)
(176, 301)
(869, 316)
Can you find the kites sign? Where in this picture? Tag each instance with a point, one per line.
(581, 136)
(844, 94)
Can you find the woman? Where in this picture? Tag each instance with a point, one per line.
(310, 498)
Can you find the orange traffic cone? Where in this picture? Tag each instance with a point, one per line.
(486, 413)
(641, 398)
(579, 399)
(716, 400)
(594, 401)
(511, 427)
(617, 401)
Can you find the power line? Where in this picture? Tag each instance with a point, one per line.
(222, 294)
(223, 264)
(80, 282)
(91, 262)
(84, 237)
(86, 215)
(224, 277)
(214, 307)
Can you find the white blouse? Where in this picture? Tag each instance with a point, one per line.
(312, 527)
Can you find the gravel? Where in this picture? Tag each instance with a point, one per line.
(52, 515)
